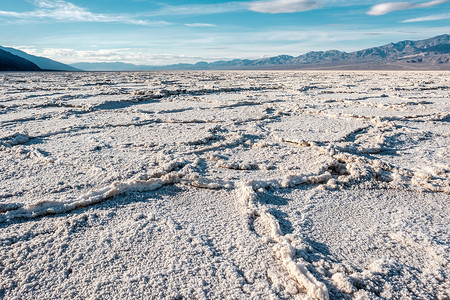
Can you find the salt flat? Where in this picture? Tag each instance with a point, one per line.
(225, 185)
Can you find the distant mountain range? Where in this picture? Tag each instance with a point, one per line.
(429, 54)
(42, 62)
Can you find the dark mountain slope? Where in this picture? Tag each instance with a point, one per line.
(11, 62)
(42, 62)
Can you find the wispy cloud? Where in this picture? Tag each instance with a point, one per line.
(282, 6)
(269, 6)
(428, 18)
(199, 9)
(200, 25)
(384, 8)
(64, 11)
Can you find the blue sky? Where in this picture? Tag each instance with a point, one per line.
(187, 31)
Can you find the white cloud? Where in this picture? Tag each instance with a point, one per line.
(64, 11)
(127, 55)
(200, 25)
(384, 8)
(282, 6)
(428, 18)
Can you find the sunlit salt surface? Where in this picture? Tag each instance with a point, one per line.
(225, 185)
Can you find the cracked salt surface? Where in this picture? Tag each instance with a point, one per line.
(281, 185)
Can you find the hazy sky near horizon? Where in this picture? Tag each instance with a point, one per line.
(187, 31)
